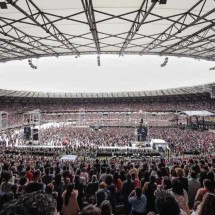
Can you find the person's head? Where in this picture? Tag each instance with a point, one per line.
(77, 179)
(193, 175)
(179, 172)
(128, 177)
(177, 187)
(65, 173)
(36, 175)
(7, 175)
(28, 168)
(103, 170)
(35, 203)
(166, 182)
(47, 170)
(106, 208)
(208, 205)
(23, 181)
(166, 204)
(138, 192)
(91, 210)
(94, 178)
(208, 185)
(49, 188)
(210, 176)
(108, 179)
(152, 179)
(102, 185)
(115, 177)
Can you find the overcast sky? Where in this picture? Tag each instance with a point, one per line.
(116, 74)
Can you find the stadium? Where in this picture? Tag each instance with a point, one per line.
(107, 107)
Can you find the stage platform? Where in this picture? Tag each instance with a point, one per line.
(40, 146)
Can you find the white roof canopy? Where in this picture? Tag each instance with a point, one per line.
(37, 28)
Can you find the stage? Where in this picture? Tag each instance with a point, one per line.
(40, 146)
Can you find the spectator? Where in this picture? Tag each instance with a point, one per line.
(70, 203)
(106, 208)
(91, 210)
(138, 202)
(193, 187)
(166, 204)
(47, 178)
(35, 185)
(208, 187)
(208, 205)
(35, 203)
(127, 188)
(180, 195)
(182, 179)
(149, 190)
(165, 185)
(6, 185)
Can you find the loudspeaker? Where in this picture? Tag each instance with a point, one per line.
(27, 132)
(3, 5)
(163, 1)
(35, 134)
(213, 92)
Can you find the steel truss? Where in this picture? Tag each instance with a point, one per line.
(89, 12)
(138, 22)
(47, 26)
(174, 40)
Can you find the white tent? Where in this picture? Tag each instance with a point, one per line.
(202, 113)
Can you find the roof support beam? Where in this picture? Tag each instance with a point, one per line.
(202, 48)
(89, 12)
(17, 48)
(12, 48)
(176, 28)
(22, 37)
(47, 26)
(189, 40)
(138, 21)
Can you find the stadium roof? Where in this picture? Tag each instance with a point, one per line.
(154, 93)
(37, 28)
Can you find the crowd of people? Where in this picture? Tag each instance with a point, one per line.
(42, 185)
(64, 134)
(15, 110)
(37, 181)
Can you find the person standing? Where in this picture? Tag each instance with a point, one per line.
(138, 202)
(193, 187)
(70, 203)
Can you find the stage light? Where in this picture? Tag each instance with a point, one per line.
(3, 5)
(98, 60)
(160, 1)
(31, 64)
(165, 62)
(163, 1)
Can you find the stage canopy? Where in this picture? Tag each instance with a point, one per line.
(202, 113)
(38, 28)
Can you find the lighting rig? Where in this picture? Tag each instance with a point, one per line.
(165, 62)
(212, 68)
(3, 5)
(31, 64)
